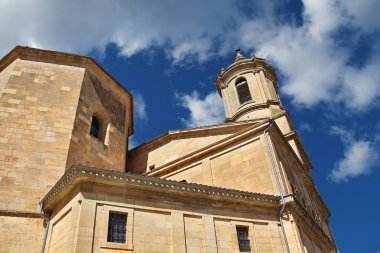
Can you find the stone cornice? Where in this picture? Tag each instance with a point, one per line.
(191, 132)
(253, 64)
(25, 214)
(34, 54)
(79, 173)
(249, 107)
(313, 224)
(303, 173)
(205, 151)
(293, 135)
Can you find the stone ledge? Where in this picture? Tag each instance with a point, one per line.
(15, 213)
(315, 227)
(79, 173)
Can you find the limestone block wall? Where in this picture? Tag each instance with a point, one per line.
(309, 243)
(302, 187)
(98, 98)
(244, 166)
(143, 160)
(38, 102)
(5, 75)
(158, 222)
(20, 234)
(261, 90)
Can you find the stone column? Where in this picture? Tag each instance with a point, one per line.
(178, 233)
(85, 229)
(209, 232)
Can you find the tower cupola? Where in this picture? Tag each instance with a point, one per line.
(249, 89)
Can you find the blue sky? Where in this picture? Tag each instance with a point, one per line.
(168, 53)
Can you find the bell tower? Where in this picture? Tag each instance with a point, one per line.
(248, 88)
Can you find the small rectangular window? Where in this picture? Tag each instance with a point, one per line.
(95, 127)
(243, 239)
(117, 227)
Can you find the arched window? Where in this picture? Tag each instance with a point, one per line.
(243, 90)
(95, 127)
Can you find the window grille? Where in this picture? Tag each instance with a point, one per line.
(243, 239)
(243, 91)
(117, 227)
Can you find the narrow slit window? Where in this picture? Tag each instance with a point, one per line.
(95, 127)
(117, 227)
(243, 91)
(243, 239)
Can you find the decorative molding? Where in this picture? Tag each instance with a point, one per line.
(91, 174)
(303, 173)
(200, 153)
(191, 132)
(26, 214)
(254, 65)
(295, 205)
(249, 107)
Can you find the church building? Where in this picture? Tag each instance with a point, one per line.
(68, 182)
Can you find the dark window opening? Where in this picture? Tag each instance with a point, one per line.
(95, 127)
(117, 227)
(243, 91)
(243, 239)
(151, 167)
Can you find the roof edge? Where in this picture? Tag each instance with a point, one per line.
(141, 181)
(171, 134)
(21, 51)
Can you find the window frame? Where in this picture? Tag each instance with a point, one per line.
(128, 245)
(118, 220)
(237, 227)
(96, 123)
(243, 100)
(104, 129)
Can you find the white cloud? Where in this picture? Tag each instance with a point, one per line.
(305, 127)
(183, 28)
(139, 106)
(207, 111)
(345, 136)
(362, 86)
(363, 14)
(316, 63)
(322, 17)
(360, 156)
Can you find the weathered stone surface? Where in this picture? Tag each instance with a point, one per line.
(194, 188)
(41, 98)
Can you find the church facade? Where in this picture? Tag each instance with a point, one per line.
(69, 184)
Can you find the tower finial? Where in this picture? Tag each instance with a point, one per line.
(239, 56)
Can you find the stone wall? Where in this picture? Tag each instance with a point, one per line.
(109, 150)
(21, 234)
(261, 90)
(37, 107)
(143, 160)
(244, 166)
(166, 223)
(46, 109)
(297, 181)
